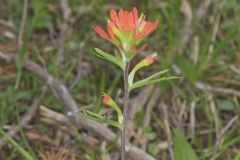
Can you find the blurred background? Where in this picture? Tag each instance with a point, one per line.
(46, 48)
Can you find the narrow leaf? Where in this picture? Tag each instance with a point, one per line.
(182, 149)
(114, 59)
(20, 149)
(93, 116)
(143, 83)
(114, 105)
(146, 80)
(140, 65)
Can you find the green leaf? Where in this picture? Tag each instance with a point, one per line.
(22, 53)
(151, 136)
(139, 118)
(114, 105)
(182, 149)
(226, 105)
(140, 65)
(19, 148)
(42, 17)
(146, 80)
(190, 70)
(153, 148)
(114, 59)
(96, 117)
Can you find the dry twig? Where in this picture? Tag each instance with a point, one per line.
(187, 22)
(148, 115)
(137, 103)
(27, 116)
(209, 88)
(24, 18)
(62, 94)
(65, 9)
(192, 120)
(220, 137)
(167, 129)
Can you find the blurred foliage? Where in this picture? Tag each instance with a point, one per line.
(8, 99)
(182, 149)
(210, 56)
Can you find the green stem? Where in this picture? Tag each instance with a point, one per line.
(125, 110)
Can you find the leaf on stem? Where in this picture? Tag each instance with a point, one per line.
(19, 148)
(140, 83)
(96, 117)
(152, 79)
(182, 149)
(114, 59)
(114, 105)
(148, 60)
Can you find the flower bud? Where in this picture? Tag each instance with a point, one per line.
(149, 59)
(106, 99)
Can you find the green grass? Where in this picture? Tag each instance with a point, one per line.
(91, 76)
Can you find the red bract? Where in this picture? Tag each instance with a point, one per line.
(101, 32)
(126, 22)
(106, 99)
(149, 59)
(143, 47)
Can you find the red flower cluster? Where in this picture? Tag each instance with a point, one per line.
(124, 23)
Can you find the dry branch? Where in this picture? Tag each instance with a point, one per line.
(62, 94)
(24, 18)
(209, 88)
(167, 129)
(220, 137)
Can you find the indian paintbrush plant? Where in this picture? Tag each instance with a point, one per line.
(126, 31)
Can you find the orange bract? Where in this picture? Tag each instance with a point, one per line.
(125, 21)
(149, 59)
(106, 99)
(143, 47)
